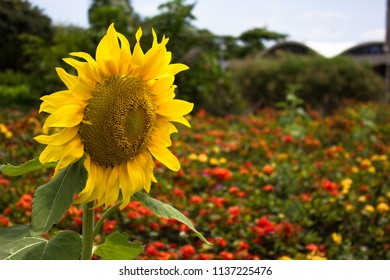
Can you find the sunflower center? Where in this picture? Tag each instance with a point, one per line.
(118, 120)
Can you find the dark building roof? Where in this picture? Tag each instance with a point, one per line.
(288, 46)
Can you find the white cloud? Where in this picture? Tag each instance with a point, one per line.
(330, 49)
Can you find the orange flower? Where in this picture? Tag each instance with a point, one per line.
(268, 169)
(268, 188)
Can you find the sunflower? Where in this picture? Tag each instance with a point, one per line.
(118, 112)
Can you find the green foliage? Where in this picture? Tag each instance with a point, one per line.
(65, 245)
(117, 247)
(166, 211)
(19, 19)
(208, 85)
(102, 13)
(253, 40)
(325, 83)
(31, 165)
(294, 118)
(52, 200)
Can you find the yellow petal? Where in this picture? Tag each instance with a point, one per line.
(72, 152)
(90, 185)
(161, 135)
(103, 187)
(161, 85)
(93, 66)
(56, 100)
(112, 192)
(108, 52)
(136, 176)
(50, 154)
(178, 119)
(175, 107)
(66, 116)
(125, 55)
(163, 155)
(175, 68)
(59, 138)
(125, 184)
(164, 97)
(146, 162)
(138, 54)
(78, 86)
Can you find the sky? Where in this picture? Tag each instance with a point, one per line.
(328, 26)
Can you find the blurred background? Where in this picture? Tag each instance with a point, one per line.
(288, 154)
(243, 56)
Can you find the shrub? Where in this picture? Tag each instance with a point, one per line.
(325, 83)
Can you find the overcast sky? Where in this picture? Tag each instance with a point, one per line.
(328, 26)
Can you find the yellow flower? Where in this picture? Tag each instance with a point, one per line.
(369, 208)
(213, 161)
(285, 258)
(222, 160)
(193, 156)
(3, 129)
(337, 238)
(216, 149)
(315, 256)
(371, 169)
(349, 207)
(118, 111)
(382, 207)
(346, 185)
(362, 198)
(354, 169)
(364, 164)
(282, 156)
(202, 158)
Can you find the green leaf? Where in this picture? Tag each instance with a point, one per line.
(31, 165)
(52, 200)
(167, 211)
(66, 245)
(8, 234)
(118, 247)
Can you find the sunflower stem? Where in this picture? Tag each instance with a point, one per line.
(104, 216)
(88, 217)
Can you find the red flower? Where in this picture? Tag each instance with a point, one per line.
(218, 201)
(109, 226)
(196, 199)
(221, 173)
(227, 255)
(4, 181)
(311, 247)
(263, 226)
(243, 245)
(177, 192)
(234, 211)
(25, 202)
(330, 187)
(288, 139)
(220, 241)
(268, 169)
(187, 251)
(151, 250)
(268, 188)
(159, 245)
(4, 221)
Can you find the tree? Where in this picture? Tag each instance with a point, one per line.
(104, 12)
(20, 23)
(253, 40)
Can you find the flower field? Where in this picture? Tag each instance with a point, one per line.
(278, 184)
